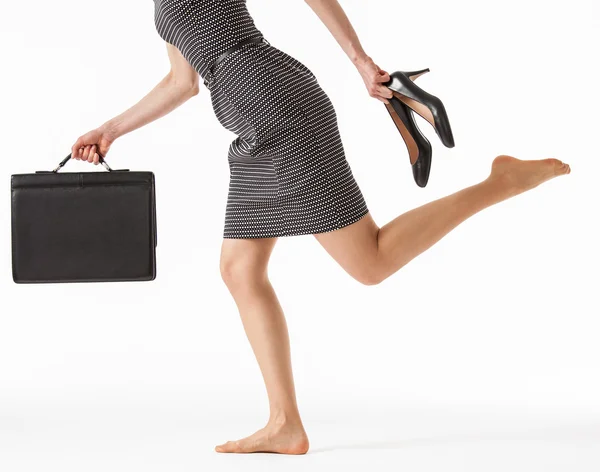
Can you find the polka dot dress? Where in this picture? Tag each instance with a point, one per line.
(288, 171)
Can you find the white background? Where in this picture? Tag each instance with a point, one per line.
(481, 354)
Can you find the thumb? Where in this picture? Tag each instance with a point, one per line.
(103, 147)
(383, 76)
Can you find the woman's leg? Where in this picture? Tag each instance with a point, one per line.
(371, 254)
(244, 270)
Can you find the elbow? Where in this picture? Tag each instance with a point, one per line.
(188, 87)
(194, 89)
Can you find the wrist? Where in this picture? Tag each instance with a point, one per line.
(111, 130)
(358, 57)
(360, 60)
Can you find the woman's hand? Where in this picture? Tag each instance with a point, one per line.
(373, 77)
(92, 144)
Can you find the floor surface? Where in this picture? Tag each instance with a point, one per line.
(411, 439)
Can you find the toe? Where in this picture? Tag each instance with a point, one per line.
(225, 447)
(559, 166)
(564, 168)
(556, 162)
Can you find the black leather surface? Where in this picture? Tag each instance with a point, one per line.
(401, 83)
(83, 226)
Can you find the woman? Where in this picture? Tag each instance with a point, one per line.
(289, 176)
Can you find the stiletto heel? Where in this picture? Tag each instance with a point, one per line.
(416, 73)
(425, 104)
(419, 147)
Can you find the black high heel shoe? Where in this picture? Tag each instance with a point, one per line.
(426, 105)
(419, 147)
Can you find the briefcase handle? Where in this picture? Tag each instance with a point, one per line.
(64, 161)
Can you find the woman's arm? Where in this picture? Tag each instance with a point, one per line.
(333, 16)
(178, 86)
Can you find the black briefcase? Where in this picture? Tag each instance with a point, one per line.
(83, 226)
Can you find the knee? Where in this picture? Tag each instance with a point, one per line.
(370, 274)
(232, 271)
(240, 272)
(370, 278)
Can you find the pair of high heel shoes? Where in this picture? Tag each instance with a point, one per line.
(408, 98)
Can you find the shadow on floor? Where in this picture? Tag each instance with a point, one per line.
(564, 433)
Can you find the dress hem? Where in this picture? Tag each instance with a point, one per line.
(340, 225)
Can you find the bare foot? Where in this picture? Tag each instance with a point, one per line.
(518, 176)
(282, 439)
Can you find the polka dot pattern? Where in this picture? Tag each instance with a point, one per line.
(288, 171)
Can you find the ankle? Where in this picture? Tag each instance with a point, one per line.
(280, 418)
(500, 187)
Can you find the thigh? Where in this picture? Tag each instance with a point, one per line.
(354, 247)
(251, 253)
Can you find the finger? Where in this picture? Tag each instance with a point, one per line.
(85, 153)
(378, 97)
(96, 158)
(384, 91)
(80, 146)
(75, 150)
(90, 158)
